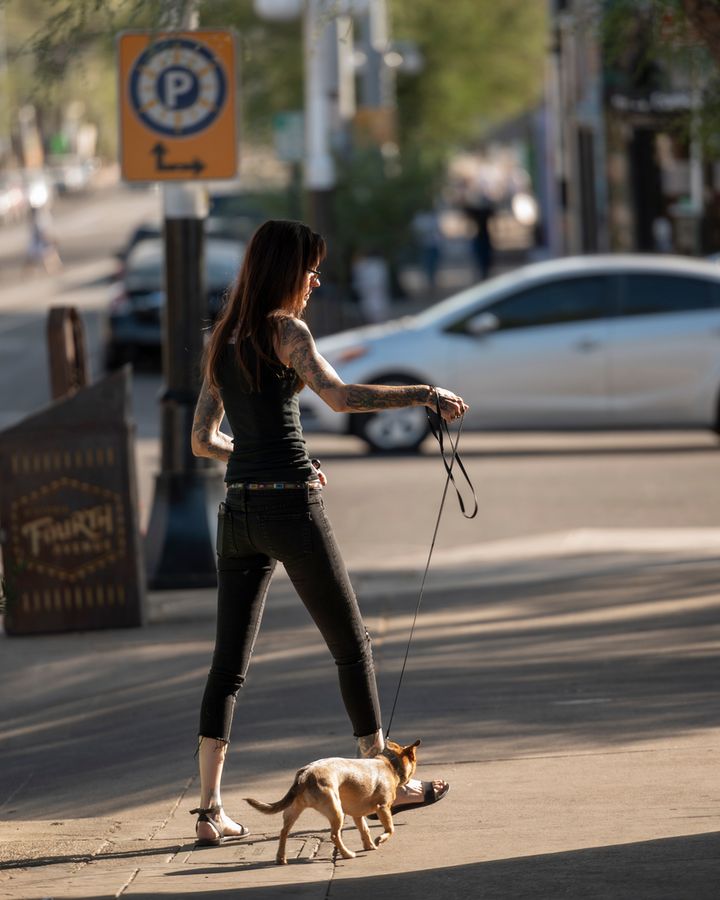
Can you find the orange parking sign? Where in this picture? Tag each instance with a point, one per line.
(177, 105)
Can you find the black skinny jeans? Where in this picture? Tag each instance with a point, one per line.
(256, 528)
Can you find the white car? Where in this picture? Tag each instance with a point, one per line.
(617, 341)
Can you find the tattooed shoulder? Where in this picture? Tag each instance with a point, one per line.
(291, 330)
(305, 360)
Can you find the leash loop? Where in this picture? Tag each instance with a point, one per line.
(454, 457)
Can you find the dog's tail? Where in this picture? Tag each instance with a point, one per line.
(279, 805)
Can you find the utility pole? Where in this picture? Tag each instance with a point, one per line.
(378, 102)
(179, 546)
(4, 90)
(319, 174)
(376, 80)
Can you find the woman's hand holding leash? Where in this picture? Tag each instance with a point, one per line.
(451, 406)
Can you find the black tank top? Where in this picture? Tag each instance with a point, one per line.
(268, 443)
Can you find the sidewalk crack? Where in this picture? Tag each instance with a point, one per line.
(177, 803)
(332, 876)
(127, 884)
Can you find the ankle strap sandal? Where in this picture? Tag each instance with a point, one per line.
(211, 815)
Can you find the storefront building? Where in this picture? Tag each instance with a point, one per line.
(628, 175)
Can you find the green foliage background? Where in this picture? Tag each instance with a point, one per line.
(483, 61)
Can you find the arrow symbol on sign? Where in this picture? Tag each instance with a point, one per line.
(159, 151)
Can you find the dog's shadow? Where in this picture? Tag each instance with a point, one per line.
(253, 865)
(264, 864)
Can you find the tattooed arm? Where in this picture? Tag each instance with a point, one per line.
(206, 438)
(295, 347)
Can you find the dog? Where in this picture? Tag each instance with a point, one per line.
(337, 786)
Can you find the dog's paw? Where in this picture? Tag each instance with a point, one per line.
(369, 846)
(381, 838)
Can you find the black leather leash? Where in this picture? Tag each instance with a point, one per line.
(439, 433)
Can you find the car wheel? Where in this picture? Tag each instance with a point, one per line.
(393, 430)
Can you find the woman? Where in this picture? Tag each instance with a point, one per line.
(259, 356)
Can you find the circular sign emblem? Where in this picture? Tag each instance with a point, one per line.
(177, 87)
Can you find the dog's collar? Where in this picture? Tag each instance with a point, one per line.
(395, 762)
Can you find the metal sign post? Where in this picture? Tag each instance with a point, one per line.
(179, 547)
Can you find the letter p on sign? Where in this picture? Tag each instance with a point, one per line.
(176, 83)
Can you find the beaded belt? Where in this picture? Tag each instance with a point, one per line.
(274, 485)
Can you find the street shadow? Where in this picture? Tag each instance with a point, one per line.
(36, 862)
(567, 663)
(665, 869)
(172, 849)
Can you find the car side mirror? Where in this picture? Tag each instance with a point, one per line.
(483, 323)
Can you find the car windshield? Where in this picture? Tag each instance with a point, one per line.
(227, 205)
(474, 294)
(145, 265)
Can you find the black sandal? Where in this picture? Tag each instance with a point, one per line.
(429, 797)
(209, 815)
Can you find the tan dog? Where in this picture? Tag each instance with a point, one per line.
(338, 786)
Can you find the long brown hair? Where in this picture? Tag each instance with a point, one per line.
(271, 277)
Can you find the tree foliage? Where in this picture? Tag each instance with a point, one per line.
(376, 198)
(60, 50)
(484, 61)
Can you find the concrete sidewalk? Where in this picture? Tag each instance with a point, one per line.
(573, 706)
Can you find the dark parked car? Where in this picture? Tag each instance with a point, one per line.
(135, 316)
(231, 216)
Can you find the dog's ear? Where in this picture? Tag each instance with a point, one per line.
(409, 751)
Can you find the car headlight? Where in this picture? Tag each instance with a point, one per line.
(348, 354)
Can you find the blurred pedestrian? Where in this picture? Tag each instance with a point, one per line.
(480, 209)
(259, 356)
(662, 232)
(42, 247)
(371, 282)
(426, 227)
